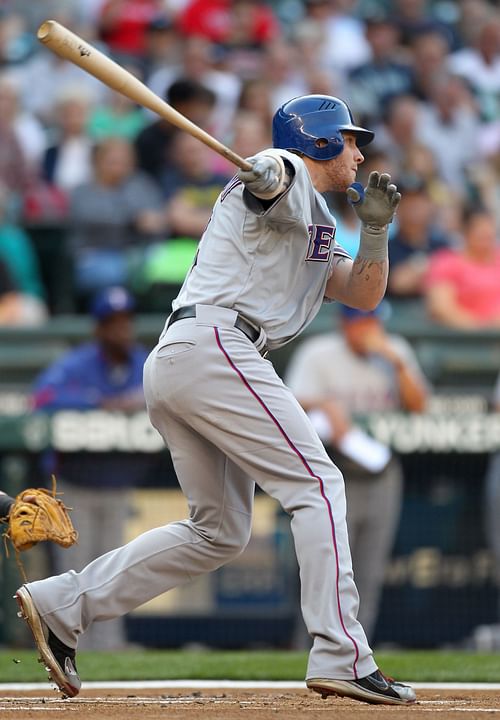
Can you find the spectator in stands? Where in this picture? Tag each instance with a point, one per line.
(9, 308)
(191, 99)
(256, 97)
(68, 161)
(305, 49)
(384, 75)
(446, 125)
(471, 17)
(19, 256)
(335, 376)
(198, 63)
(417, 17)
(117, 117)
(123, 24)
(27, 129)
(105, 374)
(112, 218)
(251, 26)
(16, 308)
(414, 239)
(375, 159)
(399, 129)
(462, 285)
(162, 46)
(421, 163)
(230, 22)
(190, 186)
(14, 164)
(344, 45)
(429, 55)
(479, 65)
(250, 134)
(45, 76)
(17, 42)
(285, 72)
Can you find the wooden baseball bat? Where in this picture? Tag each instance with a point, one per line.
(71, 47)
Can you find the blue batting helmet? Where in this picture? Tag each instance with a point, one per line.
(313, 125)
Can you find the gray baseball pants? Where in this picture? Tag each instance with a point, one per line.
(229, 422)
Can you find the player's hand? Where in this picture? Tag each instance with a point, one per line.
(374, 340)
(377, 204)
(266, 178)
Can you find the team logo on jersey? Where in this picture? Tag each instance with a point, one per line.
(320, 242)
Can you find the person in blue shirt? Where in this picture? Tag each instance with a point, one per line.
(104, 373)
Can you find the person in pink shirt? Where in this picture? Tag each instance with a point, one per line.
(462, 286)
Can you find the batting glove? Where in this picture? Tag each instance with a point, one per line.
(377, 204)
(267, 178)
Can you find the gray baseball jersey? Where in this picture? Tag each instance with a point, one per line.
(272, 265)
(230, 422)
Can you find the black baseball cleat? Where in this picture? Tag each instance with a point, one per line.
(375, 688)
(58, 658)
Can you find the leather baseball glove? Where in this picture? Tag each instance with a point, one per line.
(42, 517)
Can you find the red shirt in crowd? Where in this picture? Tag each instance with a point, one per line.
(123, 30)
(212, 19)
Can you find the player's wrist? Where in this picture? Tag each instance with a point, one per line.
(374, 228)
(373, 242)
(6, 503)
(268, 177)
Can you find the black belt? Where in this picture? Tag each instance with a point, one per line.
(189, 311)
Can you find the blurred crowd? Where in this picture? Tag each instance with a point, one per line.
(96, 192)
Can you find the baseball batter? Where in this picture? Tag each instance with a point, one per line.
(266, 262)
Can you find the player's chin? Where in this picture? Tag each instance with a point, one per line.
(343, 182)
(352, 177)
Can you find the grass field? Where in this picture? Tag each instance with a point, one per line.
(419, 666)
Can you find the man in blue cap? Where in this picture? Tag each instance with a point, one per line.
(104, 373)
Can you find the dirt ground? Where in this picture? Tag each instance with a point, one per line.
(239, 704)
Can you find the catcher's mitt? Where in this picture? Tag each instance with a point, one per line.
(44, 517)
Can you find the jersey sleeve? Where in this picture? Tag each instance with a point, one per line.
(339, 250)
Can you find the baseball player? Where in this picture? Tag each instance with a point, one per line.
(266, 262)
